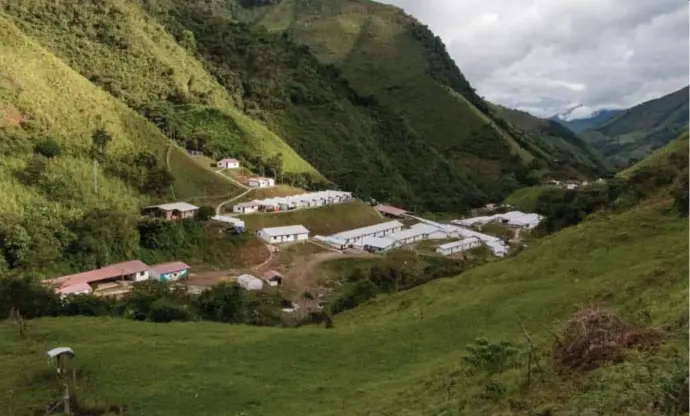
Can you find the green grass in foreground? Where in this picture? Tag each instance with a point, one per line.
(320, 221)
(393, 355)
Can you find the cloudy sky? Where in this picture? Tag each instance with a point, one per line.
(545, 56)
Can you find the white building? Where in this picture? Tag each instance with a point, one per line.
(288, 234)
(236, 222)
(354, 237)
(333, 242)
(495, 244)
(458, 246)
(246, 207)
(520, 219)
(377, 244)
(249, 282)
(468, 222)
(417, 232)
(228, 163)
(261, 182)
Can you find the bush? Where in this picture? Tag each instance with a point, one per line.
(595, 336)
(48, 148)
(222, 303)
(167, 310)
(206, 213)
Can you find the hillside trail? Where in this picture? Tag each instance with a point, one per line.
(303, 277)
(219, 208)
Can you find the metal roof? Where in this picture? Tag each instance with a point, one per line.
(179, 206)
(174, 266)
(108, 272)
(378, 242)
(59, 351)
(458, 243)
(75, 288)
(359, 232)
(287, 230)
(387, 209)
(228, 220)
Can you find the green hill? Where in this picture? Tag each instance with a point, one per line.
(635, 133)
(387, 54)
(399, 354)
(552, 139)
(677, 149)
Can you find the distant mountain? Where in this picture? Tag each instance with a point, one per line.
(579, 125)
(636, 132)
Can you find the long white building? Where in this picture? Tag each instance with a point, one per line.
(287, 234)
(284, 203)
(458, 246)
(354, 237)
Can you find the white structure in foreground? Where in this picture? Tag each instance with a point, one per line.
(261, 182)
(331, 241)
(458, 246)
(249, 282)
(377, 244)
(288, 234)
(495, 244)
(354, 237)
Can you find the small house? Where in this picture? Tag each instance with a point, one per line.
(249, 282)
(169, 272)
(288, 234)
(246, 207)
(172, 211)
(228, 164)
(261, 182)
(273, 278)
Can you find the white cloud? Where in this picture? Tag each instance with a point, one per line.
(546, 56)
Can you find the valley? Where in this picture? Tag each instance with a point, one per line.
(247, 207)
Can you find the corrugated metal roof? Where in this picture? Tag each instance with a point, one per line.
(287, 230)
(229, 220)
(79, 287)
(179, 206)
(173, 266)
(378, 242)
(108, 272)
(359, 232)
(458, 243)
(387, 209)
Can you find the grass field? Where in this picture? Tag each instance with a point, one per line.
(399, 354)
(319, 221)
(193, 180)
(677, 148)
(525, 199)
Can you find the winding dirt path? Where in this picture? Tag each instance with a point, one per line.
(219, 208)
(304, 276)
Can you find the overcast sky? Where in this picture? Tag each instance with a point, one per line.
(545, 56)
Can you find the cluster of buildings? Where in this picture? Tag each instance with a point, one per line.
(393, 234)
(116, 280)
(172, 211)
(515, 219)
(571, 184)
(286, 203)
(253, 182)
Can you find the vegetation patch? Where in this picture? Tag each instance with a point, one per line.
(319, 221)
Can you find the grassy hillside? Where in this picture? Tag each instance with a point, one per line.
(387, 54)
(678, 148)
(635, 133)
(399, 354)
(319, 221)
(551, 138)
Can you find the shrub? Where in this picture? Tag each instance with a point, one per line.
(48, 148)
(595, 336)
(490, 358)
(167, 310)
(221, 303)
(206, 213)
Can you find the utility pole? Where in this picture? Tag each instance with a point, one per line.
(95, 176)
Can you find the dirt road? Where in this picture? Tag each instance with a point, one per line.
(304, 276)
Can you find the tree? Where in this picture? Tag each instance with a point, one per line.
(146, 159)
(206, 213)
(14, 244)
(48, 148)
(221, 303)
(100, 138)
(34, 171)
(158, 181)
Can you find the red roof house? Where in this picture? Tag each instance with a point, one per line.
(134, 270)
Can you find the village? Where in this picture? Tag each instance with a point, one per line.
(294, 252)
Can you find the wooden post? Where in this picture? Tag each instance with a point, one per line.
(66, 400)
